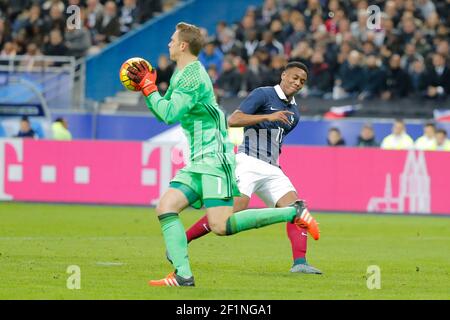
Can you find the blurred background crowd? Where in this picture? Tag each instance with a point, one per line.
(403, 51)
(38, 27)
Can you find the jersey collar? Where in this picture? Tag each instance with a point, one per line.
(281, 94)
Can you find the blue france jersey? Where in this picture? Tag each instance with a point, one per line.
(264, 140)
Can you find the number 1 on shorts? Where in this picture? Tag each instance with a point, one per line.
(219, 185)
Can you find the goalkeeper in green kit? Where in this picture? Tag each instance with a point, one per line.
(208, 179)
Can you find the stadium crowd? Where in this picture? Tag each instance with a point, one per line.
(39, 27)
(407, 54)
(402, 51)
(433, 138)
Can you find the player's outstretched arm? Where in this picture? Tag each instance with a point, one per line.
(241, 119)
(169, 111)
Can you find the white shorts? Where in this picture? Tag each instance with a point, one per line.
(267, 181)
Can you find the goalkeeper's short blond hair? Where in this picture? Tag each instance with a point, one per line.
(192, 35)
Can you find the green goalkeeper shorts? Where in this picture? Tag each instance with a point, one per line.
(206, 189)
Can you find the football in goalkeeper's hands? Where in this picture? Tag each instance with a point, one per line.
(126, 81)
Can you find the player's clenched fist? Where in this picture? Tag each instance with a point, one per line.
(140, 73)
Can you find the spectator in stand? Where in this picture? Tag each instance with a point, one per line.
(94, 11)
(229, 44)
(373, 79)
(214, 75)
(211, 55)
(408, 28)
(47, 6)
(55, 45)
(428, 140)
(4, 32)
(229, 81)
(311, 11)
(442, 143)
(276, 69)
(25, 130)
(221, 27)
(302, 53)
(246, 25)
(60, 130)
(164, 70)
(255, 76)
(397, 80)
(431, 25)
(426, 7)
(108, 26)
(366, 137)
(317, 25)
(128, 16)
(399, 139)
(268, 11)
(409, 57)
(34, 24)
(438, 78)
(147, 9)
(55, 19)
(321, 79)
(14, 8)
(270, 44)
(279, 33)
(251, 43)
(29, 61)
(359, 27)
(334, 138)
(9, 50)
(263, 56)
(369, 48)
(443, 48)
(350, 77)
(418, 79)
(300, 33)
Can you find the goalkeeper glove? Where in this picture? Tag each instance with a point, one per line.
(141, 74)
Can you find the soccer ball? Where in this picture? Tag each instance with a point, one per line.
(127, 82)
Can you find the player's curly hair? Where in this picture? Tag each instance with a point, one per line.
(297, 64)
(192, 35)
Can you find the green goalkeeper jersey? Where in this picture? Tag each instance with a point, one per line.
(190, 100)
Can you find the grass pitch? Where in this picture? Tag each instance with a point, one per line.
(118, 249)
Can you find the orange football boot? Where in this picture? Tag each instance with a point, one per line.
(172, 280)
(304, 219)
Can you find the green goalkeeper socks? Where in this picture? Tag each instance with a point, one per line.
(176, 243)
(257, 218)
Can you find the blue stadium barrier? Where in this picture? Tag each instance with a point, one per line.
(58, 97)
(112, 127)
(151, 39)
(143, 127)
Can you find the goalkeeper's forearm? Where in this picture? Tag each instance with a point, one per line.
(168, 111)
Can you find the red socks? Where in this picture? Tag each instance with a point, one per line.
(299, 240)
(198, 229)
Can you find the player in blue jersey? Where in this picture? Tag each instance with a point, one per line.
(268, 114)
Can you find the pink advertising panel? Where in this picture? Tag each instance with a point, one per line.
(134, 173)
